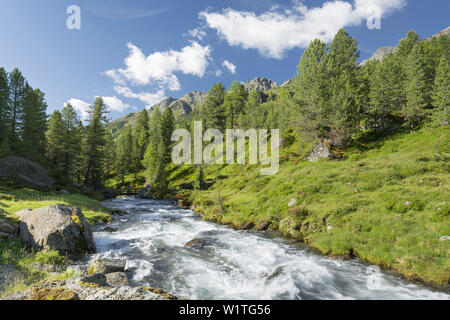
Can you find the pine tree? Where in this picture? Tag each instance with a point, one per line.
(142, 133)
(213, 109)
(441, 93)
(4, 109)
(124, 154)
(110, 153)
(416, 94)
(386, 89)
(17, 86)
(234, 102)
(153, 148)
(407, 44)
(34, 124)
(80, 159)
(93, 146)
(55, 139)
(71, 144)
(166, 128)
(311, 91)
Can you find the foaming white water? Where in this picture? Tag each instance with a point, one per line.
(226, 264)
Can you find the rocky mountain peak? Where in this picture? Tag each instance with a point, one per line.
(260, 84)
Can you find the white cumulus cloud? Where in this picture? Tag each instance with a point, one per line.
(160, 67)
(81, 106)
(112, 104)
(230, 66)
(273, 33)
(149, 99)
(115, 104)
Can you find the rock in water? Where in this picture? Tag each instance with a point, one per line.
(106, 266)
(57, 228)
(25, 172)
(117, 279)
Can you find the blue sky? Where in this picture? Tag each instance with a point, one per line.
(173, 47)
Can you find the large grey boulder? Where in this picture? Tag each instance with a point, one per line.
(57, 228)
(24, 172)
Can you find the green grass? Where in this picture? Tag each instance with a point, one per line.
(14, 200)
(387, 200)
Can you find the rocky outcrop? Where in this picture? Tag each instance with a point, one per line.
(445, 32)
(25, 173)
(260, 84)
(321, 151)
(380, 54)
(57, 228)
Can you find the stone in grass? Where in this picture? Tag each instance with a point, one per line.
(292, 203)
(106, 266)
(444, 238)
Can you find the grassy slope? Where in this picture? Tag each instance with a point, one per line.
(13, 252)
(387, 203)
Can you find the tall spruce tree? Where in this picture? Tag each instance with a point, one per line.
(142, 134)
(213, 109)
(93, 146)
(55, 139)
(153, 148)
(234, 102)
(416, 85)
(4, 112)
(17, 87)
(441, 93)
(34, 124)
(124, 154)
(72, 142)
(311, 91)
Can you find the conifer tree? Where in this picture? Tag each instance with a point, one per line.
(55, 139)
(311, 91)
(153, 148)
(124, 153)
(213, 109)
(4, 112)
(71, 144)
(441, 93)
(234, 102)
(93, 146)
(142, 133)
(17, 87)
(34, 124)
(416, 93)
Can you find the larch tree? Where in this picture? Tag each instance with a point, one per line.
(416, 85)
(34, 124)
(441, 93)
(93, 146)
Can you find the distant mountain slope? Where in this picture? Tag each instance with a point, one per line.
(185, 105)
(385, 51)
